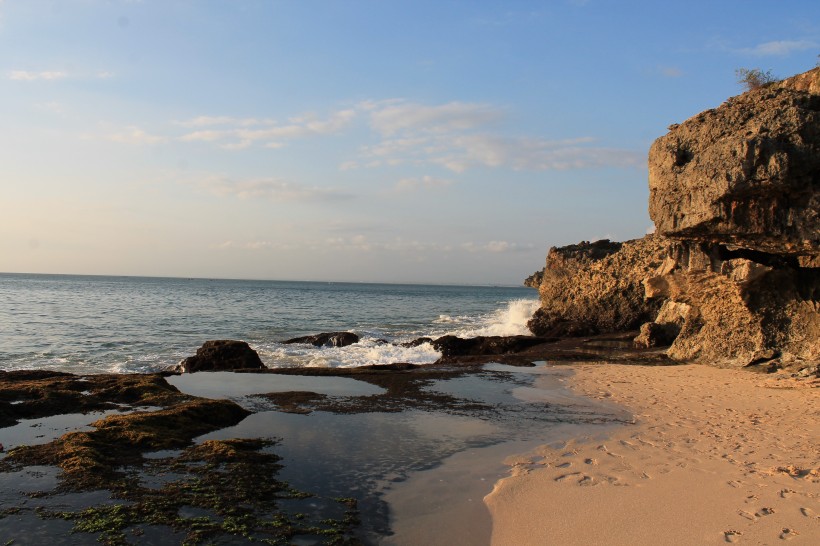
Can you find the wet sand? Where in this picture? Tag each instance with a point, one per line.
(715, 456)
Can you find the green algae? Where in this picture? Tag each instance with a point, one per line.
(230, 485)
(234, 481)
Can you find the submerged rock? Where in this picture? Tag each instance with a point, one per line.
(328, 339)
(223, 354)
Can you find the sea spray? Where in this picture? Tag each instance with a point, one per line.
(379, 347)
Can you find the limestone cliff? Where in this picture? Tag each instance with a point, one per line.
(744, 174)
(732, 276)
(592, 288)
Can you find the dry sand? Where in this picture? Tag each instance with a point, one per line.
(715, 456)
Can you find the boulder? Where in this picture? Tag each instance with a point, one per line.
(592, 288)
(220, 355)
(744, 175)
(328, 339)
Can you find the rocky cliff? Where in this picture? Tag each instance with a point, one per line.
(732, 275)
(592, 288)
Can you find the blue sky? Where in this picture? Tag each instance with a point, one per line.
(389, 141)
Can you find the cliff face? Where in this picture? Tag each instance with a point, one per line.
(744, 174)
(592, 288)
(732, 276)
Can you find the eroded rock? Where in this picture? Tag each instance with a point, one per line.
(592, 288)
(744, 174)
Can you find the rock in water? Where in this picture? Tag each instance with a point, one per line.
(485, 345)
(329, 339)
(223, 354)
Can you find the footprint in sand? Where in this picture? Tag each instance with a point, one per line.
(808, 512)
(731, 535)
(565, 477)
(786, 493)
(587, 481)
(788, 534)
(629, 445)
(766, 511)
(747, 515)
(564, 465)
(591, 461)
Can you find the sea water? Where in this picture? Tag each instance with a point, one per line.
(98, 324)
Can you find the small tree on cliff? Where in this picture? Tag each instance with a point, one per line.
(752, 78)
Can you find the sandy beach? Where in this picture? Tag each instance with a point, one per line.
(714, 456)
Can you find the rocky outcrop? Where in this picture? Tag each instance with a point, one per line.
(733, 311)
(732, 275)
(327, 339)
(592, 288)
(534, 280)
(745, 174)
(222, 354)
(735, 189)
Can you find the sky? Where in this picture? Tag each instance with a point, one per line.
(359, 140)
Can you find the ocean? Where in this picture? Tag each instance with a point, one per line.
(99, 324)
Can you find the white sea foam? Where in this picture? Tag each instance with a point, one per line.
(366, 352)
(510, 320)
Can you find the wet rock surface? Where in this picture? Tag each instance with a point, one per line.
(327, 339)
(221, 355)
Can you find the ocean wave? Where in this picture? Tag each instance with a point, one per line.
(366, 352)
(510, 320)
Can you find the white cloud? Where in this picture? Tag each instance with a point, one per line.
(273, 189)
(670, 71)
(498, 247)
(454, 136)
(24, 75)
(459, 152)
(203, 136)
(135, 135)
(779, 47)
(240, 133)
(425, 182)
(392, 117)
(105, 75)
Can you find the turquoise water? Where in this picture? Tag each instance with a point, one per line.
(91, 324)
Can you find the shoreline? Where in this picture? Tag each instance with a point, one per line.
(716, 456)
